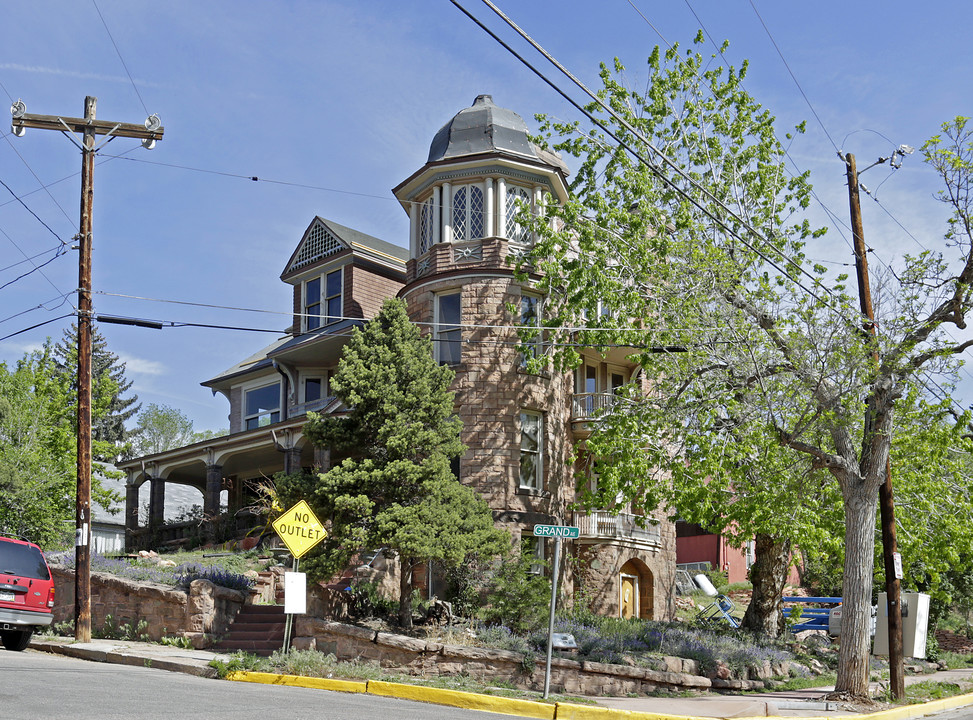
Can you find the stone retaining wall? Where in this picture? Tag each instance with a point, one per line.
(430, 659)
(202, 614)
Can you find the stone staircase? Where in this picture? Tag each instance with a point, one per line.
(258, 629)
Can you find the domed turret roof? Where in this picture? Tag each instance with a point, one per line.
(486, 128)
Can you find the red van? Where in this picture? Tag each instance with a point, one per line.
(26, 592)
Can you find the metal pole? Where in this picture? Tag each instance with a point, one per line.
(893, 588)
(289, 620)
(82, 545)
(550, 621)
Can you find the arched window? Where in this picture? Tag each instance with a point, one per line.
(513, 231)
(467, 213)
(427, 215)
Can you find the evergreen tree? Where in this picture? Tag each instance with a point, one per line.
(109, 410)
(395, 490)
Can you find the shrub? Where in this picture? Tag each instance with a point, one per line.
(188, 572)
(519, 599)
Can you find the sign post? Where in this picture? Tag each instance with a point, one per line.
(300, 530)
(557, 532)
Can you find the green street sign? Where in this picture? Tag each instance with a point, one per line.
(556, 531)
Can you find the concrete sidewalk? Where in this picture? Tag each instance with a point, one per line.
(792, 703)
(128, 652)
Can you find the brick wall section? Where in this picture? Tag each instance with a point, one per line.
(202, 614)
(432, 659)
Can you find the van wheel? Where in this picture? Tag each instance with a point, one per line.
(16, 640)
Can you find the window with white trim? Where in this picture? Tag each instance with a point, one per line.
(315, 387)
(261, 406)
(530, 317)
(535, 548)
(513, 231)
(467, 213)
(448, 329)
(531, 450)
(427, 217)
(322, 300)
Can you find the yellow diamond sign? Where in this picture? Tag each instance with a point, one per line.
(299, 529)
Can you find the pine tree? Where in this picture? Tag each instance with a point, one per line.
(109, 410)
(395, 489)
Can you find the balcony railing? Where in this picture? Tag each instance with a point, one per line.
(585, 406)
(623, 526)
(313, 406)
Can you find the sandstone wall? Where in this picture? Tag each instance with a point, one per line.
(201, 614)
(431, 659)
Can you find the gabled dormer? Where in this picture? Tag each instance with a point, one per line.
(339, 273)
(463, 202)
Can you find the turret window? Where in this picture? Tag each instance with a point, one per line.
(513, 230)
(427, 217)
(467, 213)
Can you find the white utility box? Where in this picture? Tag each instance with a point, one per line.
(915, 624)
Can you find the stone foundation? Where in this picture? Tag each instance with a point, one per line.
(202, 614)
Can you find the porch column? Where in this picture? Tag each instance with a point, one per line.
(157, 502)
(322, 459)
(131, 513)
(292, 460)
(214, 485)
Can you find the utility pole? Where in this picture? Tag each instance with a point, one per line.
(893, 589)
(87, 128)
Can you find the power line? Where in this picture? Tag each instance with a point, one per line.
(253, 178)
(32, 257)
(651, 166)
(61, 251)
(62, 298)
(36, 216)
(793, 77)
(119, 53)
(34, 327)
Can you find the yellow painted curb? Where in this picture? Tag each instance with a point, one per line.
(460, 699)
(348, 686)
(568, 711)
(902, 713)
(917, 711)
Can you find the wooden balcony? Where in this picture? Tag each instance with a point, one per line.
(600, 525)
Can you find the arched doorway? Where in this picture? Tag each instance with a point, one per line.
(636, 595)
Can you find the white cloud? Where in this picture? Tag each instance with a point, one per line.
(141, 366)
(17, 67)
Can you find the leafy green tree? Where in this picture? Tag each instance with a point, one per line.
(395, 489)
(160, 428)
(696, 249)
(109, 409)
(37, 468)
(38, 450)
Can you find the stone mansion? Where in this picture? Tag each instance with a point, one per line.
(521, 429)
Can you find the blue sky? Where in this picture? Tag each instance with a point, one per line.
(332, 104)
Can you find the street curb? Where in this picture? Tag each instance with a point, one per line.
(419, 693)
(544, 711)
(348, 686)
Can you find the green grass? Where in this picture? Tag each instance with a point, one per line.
(925, 691)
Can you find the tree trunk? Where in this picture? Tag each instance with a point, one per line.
(405, 592)
(860, 505)
(767, 575)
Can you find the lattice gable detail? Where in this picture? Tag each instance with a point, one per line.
(318, 243)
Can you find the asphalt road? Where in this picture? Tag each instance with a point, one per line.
(35, 686)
